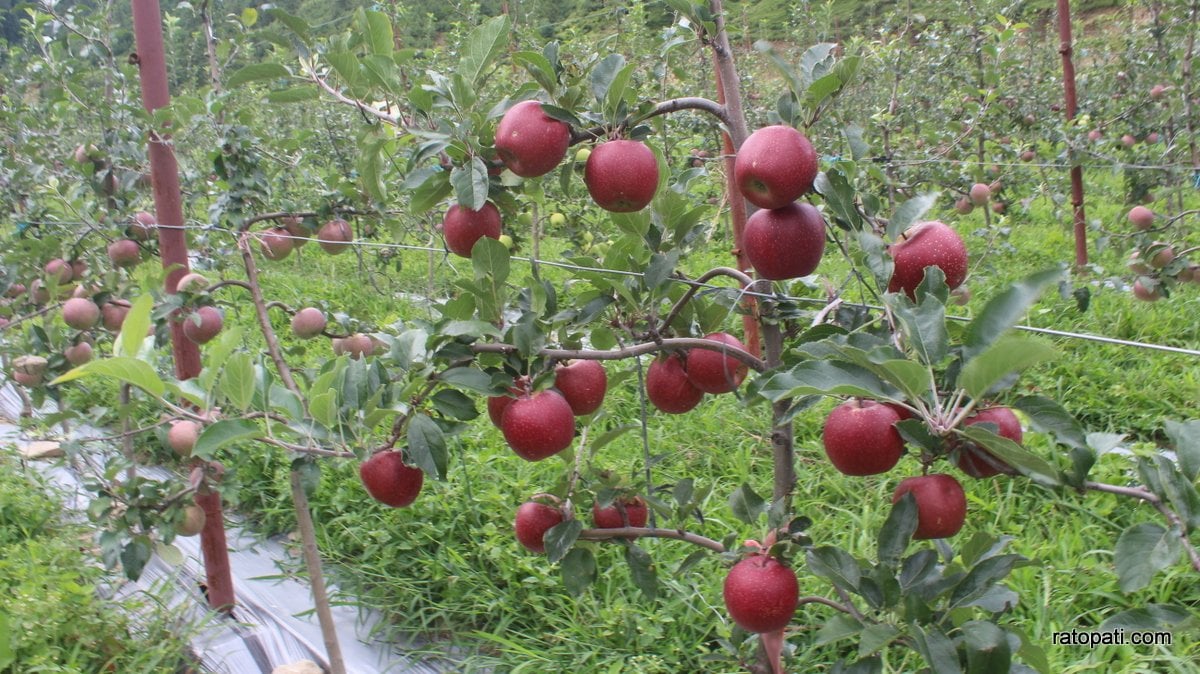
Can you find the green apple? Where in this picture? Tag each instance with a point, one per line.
(506, 240)
(558, 219)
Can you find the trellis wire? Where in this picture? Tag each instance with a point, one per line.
(709, 286)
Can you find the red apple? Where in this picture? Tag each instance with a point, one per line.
(786, 242)
(714, 371)
(80, 313)
(941, 504)
(191, 283)
(124, 253)
(583, 383)
(77, 354)
(531, 523)
(668, 387)
(621, 175)
(59, 269)
(977, 461)
(1094, 135)
(611, 517)
(775, 166)
(964, 206)
(761, 594)
(143, 226)
(335, 236)
(276, 243)
(979, 194)
(389, 480)
(203, 324)
(182, 436)
(462, 227)
(530, 142)
(928, 244)
(1141, 217)
(1161, 254)
(1128, 140)
(1028, 155)
(1147, 291)
(1157, 91)
(294, 225)
(860, 438)
(112, 314)
(308, 323)
(357, 346)
(539, 425)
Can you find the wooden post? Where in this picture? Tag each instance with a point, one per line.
(1065, 48)
(172, 242)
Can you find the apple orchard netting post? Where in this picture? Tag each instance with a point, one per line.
(168, 205)
(1065, 48)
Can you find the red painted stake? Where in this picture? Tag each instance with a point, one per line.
(1065, 48)
(172, 242)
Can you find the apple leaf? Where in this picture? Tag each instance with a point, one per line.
(131, 371)
(875, 257)
(538, 67)
(561, 538)
(1047, 416)
(237, 380)
(839, 627)
(815, 63)
(747, 506)
(937, 649)
(822, 377)
(134, 328)
(1028, 464)
(1005, 356)
(642, 569)
(1142, 551)
(835, 565)
(490, 259)
(1185, 436)
(923, 325)
(988, 651)
(1163, 478)
(427, 446)
(1003, 311)
(897, 531)
(134, 556)
(470, 183)
(308, 472)
(429, 192)
(222, 434)
(297, 25)
(604, 74)
(256, 72)
(1150, 617)
(299, 94)
(578, 569)
(379, 33)
(875, 637)
(483, 46)
(980, 579)
(615, 98)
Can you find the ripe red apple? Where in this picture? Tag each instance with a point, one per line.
(59, 269)
(924, 245)
(668, 387)
(977, 461)
(357, 346)
(389, 480)
(1147, 292)
(182, 436)
(1128, 140)
(1152, 137)
(143, 226)
(1094, 135)
(775, 166)
(1028, 155)
(530, 142)
(979, 194)
(308, 323)
(203, 324)
(714, 371)
(1136, 264)
(124, 253)
(80, 313)
(539, 425)
(941, 504)
(112, 314)
(295, 227)
(78, 268)
(583, 383)
(786, 242)
(462, 227)
(964, 206)
(999, 207)
(860, 438)
(1141, 217)
(497, 404)
(276, 243)
(335, 236)
(761, 594)
(1161, 254)
(77, 354)
(621, 175)
(610, 517)
(15, 290)
(531, 523)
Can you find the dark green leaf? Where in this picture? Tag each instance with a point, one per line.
(835, 565)
(296, 24)
(222, 434)
(603, 75)
(827, 378)
(897, 531)
(310, 474)
(467, 377)
(1048, 416)
(134, 556)
(641, 567)
(1152, 617)
(1028, 464)
(660, 269)
(839, 627)
(255, 72)
(561, 538)
(300, 94)
(987, 647)
(1007, 355)
(747, 506)
(923, 326)
(909, 212)
(428, 193)
(470, 183)
(937, 649)
(875, 637)
(454, 404)
(1003, 311)
(610, 435)
(483, 46)
(982, 577)
(578, 568)
(427, 446)
(1142, 551)
(1185, 437)
(490, 259)
(918, 568)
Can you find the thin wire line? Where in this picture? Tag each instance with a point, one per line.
(741, 291)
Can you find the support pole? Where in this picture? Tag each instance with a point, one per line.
(172, 242)
(1065, 48)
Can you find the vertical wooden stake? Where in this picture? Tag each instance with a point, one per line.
(1065, 48)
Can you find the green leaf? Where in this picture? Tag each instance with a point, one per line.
(470, 184)
(923, 326)
(617, 92)
(815, 63)
(1048, 416)
(987, 647)
(429, 192)
(1151, 617)
(379, 34)
(578, 569)
(1003, 311)
(747, 506)
(835, 565)
(490, 259)
(169, 553)
(822, 377)
(538, 67)
(1142, 551)
(561, 538)
(604, 74)
(662, 265)
(642, 569)
(427, 446)
(1185, 437)
(6, 642)
(839, 627)
(301, 94)
(1005, 356)
(237, 380)
(134, 556)
(909, 212)
(323, 407)
(294, 23)
(875, 637)
(249, 17)
(255, 72)
(980, 579)
(309, 472)
(454, 404)
(897, 531)
(131, 371)
(609, 436)
(467, 377)
(133, 330)
(483, 46)
(1028, 464)
(222, 434)
(937, 649)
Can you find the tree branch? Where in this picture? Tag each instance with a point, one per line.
(636, 350)
(644, 532)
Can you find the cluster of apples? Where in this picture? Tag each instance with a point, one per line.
(676, 382)
(544, 512)
(334, 237)
(1156, 260)
(860, 438)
